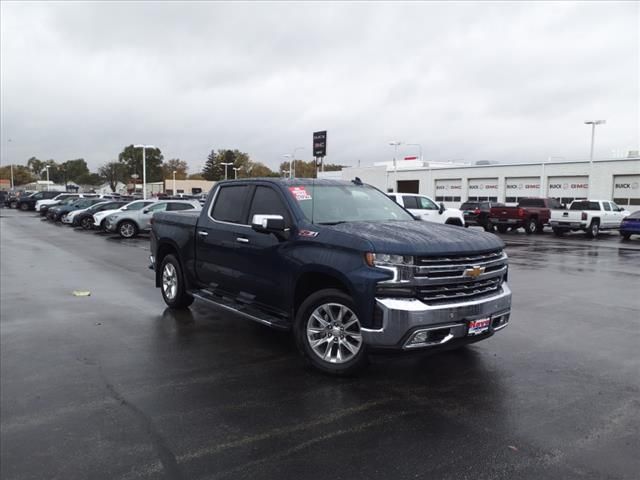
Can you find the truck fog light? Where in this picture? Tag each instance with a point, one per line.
(419, 337)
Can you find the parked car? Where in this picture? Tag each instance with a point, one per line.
(28, 202)
(57, 212)
(532, 214)
(477, 213)
(3, 196)
(13, 197)
(426, 209)
(590, 216)
(630, 225)
(99, 218)
(84, 218)
(338, 263)
(43, 205)
(129, 223)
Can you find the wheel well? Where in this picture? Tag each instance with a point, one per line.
(595, 220)
(453, 221)
(312, 282)
(164, 249)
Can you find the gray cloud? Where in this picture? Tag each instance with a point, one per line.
(501, 81)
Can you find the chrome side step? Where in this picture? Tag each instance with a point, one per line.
(243, 310)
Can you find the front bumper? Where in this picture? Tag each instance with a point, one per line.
(66, 219)
(403, 318)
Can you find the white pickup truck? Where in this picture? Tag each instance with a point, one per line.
(590, 216)
(428, 210)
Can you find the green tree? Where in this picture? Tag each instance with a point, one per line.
(56, 173)
(307, 169)
(113, 172)
(36, 166)
(177, 165)
(196, 176)
(214, 170)
(131, 158)
(90, 179)
(21, 174)
(74, 170)
(257, 170)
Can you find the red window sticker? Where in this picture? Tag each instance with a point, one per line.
(300, 193)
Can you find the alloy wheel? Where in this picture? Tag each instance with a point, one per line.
(333, 333)
(170, 281)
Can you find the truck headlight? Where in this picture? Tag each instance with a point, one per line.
(388, 260)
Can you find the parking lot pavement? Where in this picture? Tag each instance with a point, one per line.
(116, 386)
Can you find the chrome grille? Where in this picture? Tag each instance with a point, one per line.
(459, 259)
(459, 292)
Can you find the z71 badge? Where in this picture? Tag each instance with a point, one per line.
(307, 233)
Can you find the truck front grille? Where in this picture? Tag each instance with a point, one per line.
(459, 292)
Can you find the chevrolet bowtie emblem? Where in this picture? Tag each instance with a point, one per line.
(473, 272)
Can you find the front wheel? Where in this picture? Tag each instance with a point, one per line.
(86, 223)
(127, 229)
(172, 283)
(24, 207)
(502, 228)
(488, 227)
(328, 333)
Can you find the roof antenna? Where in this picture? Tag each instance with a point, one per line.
(356, 181)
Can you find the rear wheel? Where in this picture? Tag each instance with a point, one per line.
(594, 229)
(24, 207)
(127, 229)
(540, 228)
(502, 228)
(86, 223)
(328, 333)
(488, 227)
(531, 226)
(172, 283)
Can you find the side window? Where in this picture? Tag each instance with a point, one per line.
(266, 201)
(229, 204)
(410, 202)
(38, 196)
(158, 207)
(426, 204)
(173, 207)
(615, 207)
(607, 206)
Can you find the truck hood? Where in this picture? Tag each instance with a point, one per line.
(421, 238)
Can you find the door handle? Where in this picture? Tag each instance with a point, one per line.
(202, 233)
(242, 240)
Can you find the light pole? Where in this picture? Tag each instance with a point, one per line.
(47, 167)
(395, 144)
(294, 159)
(290, 157)
(174, 183)
(10, 165)
(235, 172)
(593, 124)
(226, 164)
(144, 168)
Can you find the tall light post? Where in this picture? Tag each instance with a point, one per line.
(144, 168)
(235, 172)
(226, 164)
(593, 124)
(47, 167)
(174, 183)
(395, 144)
(10, 165)
(416, 145)
(290, 157)
(294, 159)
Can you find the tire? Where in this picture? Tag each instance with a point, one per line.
(319, 322)
(625, 236)
(531, 226)
(594, 229)
(24, 207)
(13, 204)
(502, 228)
(488, 227)
(127, 229)
(86, 223)
(172, 284)
(540, 229)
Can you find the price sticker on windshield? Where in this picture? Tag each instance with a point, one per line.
(300, 193)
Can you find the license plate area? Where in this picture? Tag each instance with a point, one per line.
(479, 326)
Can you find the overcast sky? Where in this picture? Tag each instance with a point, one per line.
(472, 81)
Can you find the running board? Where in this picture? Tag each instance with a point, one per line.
(241, 309)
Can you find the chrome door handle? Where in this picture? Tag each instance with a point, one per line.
(202, 233)
(242, 240)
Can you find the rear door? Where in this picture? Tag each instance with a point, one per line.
(144, 215)
(219, 235)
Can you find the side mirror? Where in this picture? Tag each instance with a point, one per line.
(146, 210)
(441, 209)
(268, 224)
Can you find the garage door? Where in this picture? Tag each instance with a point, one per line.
(448, 190)
(626, 190)
(568, 189)
(521, 187)
(483, 189)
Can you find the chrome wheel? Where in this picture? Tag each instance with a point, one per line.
(169, 281)
(127, 230)
(333, 332)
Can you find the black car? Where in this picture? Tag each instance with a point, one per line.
(477, 213)
(29, 202)
(13, 197)
(85, 219)
(58, 211)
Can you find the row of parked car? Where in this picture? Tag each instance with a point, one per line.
(531, 214)
(111, 213)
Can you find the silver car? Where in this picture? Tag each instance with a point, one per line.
(129, 223)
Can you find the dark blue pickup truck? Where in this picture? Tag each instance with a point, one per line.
(340, 264)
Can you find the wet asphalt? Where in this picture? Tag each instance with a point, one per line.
(115, 386)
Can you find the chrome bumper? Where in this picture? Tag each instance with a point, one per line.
(402, 318)
(562, 224)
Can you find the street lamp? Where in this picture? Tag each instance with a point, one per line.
(235, 172)
(47, 167)
(144, 168)
(174, 183)
(395, 144)
(593, 124)
(226, 164)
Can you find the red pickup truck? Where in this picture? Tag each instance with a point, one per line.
(532, 214)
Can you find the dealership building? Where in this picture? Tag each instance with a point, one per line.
(617, 179)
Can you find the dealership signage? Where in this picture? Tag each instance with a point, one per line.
(320, 144)
(577, 187)
(626, 186)
(522, 187)
(483, 187)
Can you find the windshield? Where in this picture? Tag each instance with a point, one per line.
(333, 204)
